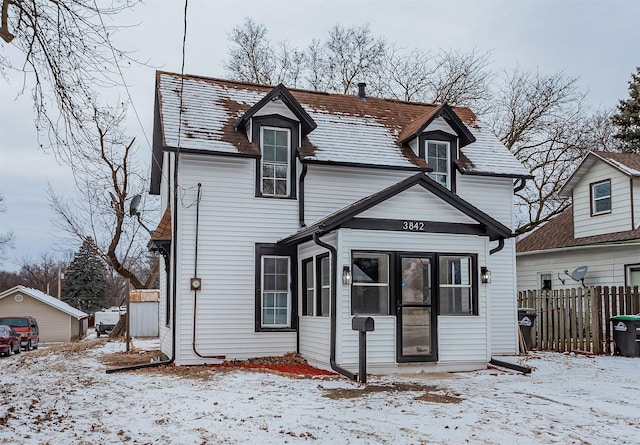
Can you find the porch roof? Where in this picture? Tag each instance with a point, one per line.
(492, 228)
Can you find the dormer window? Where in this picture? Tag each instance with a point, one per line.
(601, 197)
(276, 167)
(440, 150)
(275, 146)
(438, 156)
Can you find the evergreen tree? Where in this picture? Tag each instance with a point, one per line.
(628, 117)
(85, 280)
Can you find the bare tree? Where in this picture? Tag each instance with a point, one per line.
(67, 56)
(43, 274)
(541, 119)
(106, 179)
(461, 78)
(352, 55)
(6, 238)
(407, 74)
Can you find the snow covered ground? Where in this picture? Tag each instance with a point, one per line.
(67, 398)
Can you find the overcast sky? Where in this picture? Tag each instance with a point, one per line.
(597, 41)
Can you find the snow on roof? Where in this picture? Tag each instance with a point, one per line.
(348, 130)
(489, 156)
(47, 299)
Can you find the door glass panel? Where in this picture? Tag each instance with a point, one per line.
(415, 308)
(416, 281)
(416, 331)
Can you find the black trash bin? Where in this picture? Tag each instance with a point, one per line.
(626, 334)
(526, 318)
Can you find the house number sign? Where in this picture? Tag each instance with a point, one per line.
(413, 226)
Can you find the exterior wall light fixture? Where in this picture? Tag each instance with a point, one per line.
(485, 275)
(346, 275)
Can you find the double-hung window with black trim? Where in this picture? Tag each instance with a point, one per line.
(370, 283)
(275, 302)
(316, 286)
(440, 150)
(277, 137)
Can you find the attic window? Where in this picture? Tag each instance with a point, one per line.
(439, 159)
(601, 197)
(276, 148)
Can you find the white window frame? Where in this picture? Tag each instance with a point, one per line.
(264, 293)
(540, 279)
(447, 174)
(594, 199)
(310, 286)
(468, 306)
(383, 283)
(628, 269)
(262, 161)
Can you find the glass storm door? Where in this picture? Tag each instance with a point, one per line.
(415, 313)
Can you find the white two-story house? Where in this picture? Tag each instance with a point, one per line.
(289, 212)
(601, 230)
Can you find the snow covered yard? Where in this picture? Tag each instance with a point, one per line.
(65, 397)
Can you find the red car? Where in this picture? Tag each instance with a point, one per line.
(9, 340)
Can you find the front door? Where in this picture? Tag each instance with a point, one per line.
(416, 314)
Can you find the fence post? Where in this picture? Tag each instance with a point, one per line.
(596, 320)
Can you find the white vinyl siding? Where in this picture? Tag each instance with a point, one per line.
(235, 221)
(606, 266)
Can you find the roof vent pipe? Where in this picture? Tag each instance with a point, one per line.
(361, 91)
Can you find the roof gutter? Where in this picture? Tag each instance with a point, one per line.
(334, 276)
(586, 246)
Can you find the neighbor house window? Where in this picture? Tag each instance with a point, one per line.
(545, 281)
(601, 197)
(632, 275)
(276, 298)
(370, 284)
(456, 285)
(438, 158)
(308, 288)
(275, 146)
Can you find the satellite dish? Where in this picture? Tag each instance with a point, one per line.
(133, 206)
(579, 273)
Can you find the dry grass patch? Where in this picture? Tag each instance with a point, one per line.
(67, 349)
(431, 393)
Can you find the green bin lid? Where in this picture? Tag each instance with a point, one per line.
(626, 318)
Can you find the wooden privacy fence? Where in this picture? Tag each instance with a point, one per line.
(577, 319)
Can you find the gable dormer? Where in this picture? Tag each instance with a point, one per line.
(276, 124)
(603, 189)
(437, 137)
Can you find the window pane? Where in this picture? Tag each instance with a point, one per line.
(325, 298)
(455, 270)
(372, 300)
(280, 171)
(325, 271)
(268, 137)
(602, 190)
(281, 316)
(281, 154)
(603, 205)
(268, 187)
(281, 187)
(268, 316)
(441, 166)
(370, 268)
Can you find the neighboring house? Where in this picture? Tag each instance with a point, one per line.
(57, 321)
(601, 230)
(286, 213)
